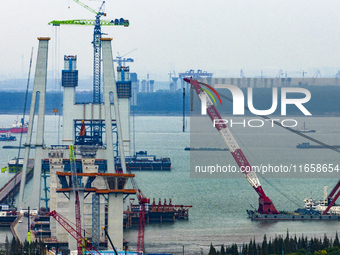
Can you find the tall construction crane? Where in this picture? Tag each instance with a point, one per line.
(120, 60)
(266, 206)
(75, 188)
(97, 34)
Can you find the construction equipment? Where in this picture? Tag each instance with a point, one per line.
(75, 188)
(66, 224)
(96, 40)
(266, 206)
(121, 61)
(331, 199)
(142, 199)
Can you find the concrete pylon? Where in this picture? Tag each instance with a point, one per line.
(39, 90)
(115, 203)
(110, 87)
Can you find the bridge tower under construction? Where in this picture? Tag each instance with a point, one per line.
(96, 130)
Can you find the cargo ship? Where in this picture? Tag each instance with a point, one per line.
(15, 165)
(7, 137)
(309, 146)
(205, 149)
(17, 127)
(143, 161)
(7, 215)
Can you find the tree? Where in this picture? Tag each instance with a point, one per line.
(245, 249)
(222, 250)
(265, 250)
(15, 245)
(336, 240)
(250, 250)
(7, 246)
(271, 249)
(326, 242)
(234, 249)
(212, 250)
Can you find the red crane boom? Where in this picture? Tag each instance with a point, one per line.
(266, 206)
(331, 199)
(142, 199)
(74, 233)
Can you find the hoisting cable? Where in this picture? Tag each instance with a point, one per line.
(291, 130)
(288, 128)
(23, 117)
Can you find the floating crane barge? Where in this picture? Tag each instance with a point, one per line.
(266, 209)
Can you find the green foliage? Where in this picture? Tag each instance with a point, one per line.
(18, 248)
(212, 250)
(287, 245)
(336, 241)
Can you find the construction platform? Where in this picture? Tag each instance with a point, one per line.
(156, 213)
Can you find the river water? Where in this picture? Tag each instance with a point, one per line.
(219, 205)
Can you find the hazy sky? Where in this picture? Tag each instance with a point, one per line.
(178, 35)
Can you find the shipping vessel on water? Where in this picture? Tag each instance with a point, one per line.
(142, 161)
(313, 210)
(7, 215)
(14, 165)
(310, 146)
(205, 149)
(17, 127)
(7, 137)
(303, 129)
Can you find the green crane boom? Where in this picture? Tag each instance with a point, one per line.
(85, 6)
(90, 22)
(97, 23)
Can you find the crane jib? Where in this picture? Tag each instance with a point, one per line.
(266, 206)
(214, 115)
(238, 155)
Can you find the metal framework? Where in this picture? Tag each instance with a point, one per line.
(94, 130)
(142, 201)
(266, 206)
(95, 220)
(77, 203)
(66, 224)
(331, 199)
(97, 34)
(97, 45)
(46, 189)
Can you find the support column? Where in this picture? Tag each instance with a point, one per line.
(39, 89)
(72, 243)
(116, 189)
(110, 87)
(115, 219)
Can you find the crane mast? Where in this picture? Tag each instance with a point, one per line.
(77, 203)
(142, 200)
(97, 34)
(266, 206)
